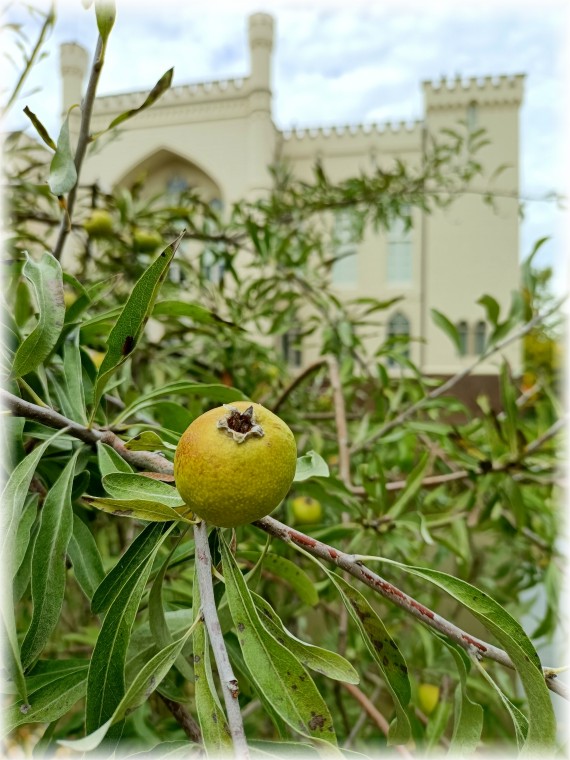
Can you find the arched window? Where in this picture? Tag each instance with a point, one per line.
(463, 332)
(480, 337)
(345, 269)
(398, 331)
(399, 269)
(472, 116)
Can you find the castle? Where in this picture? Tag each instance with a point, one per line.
(220, 137)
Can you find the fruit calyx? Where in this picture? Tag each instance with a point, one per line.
(240, 425)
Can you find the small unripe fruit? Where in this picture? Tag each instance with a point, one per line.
(99, 224)
(146, 241)
(307, 510)
(235, 464)
(428, 697)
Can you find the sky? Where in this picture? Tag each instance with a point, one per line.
(338, 63)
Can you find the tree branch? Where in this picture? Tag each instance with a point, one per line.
(82, 142)
(229, 681)
(273, 527)
(184, 719)
(295, 382)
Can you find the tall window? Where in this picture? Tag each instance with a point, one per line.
(345, 270)
(399, 328)
(290, 345)
(480, 337)
(463, 332)
(212, 267)
(399, 254)
(472, 116)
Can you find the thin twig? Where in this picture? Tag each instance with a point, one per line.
(277, 529)
(183, 718)
(360, 721)
(82, 143)
(340, 421)
(230, 688)
(295, 382)
(375, 714)
(452, 381)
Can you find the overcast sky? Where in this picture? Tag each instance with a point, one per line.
(341, 63)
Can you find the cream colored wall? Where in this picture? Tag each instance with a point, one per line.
(225, 130)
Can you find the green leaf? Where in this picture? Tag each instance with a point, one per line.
(159, 88)
(133, 561)
(214, 392)
(48, 563)
(73, 374)
(132, 486)
(148, 440)
(290, 572)
(106, 679)
(211, 717)
(542, 722)
(139, 509)
(448, 327)
(491, 307)
(284, 681)
(157, 618)
(45, 277)
(50, 702)
(311, 465)
(85, 558)
(128, 328)
(385, 652)
(468, 717)
(191, 310)
(413, 485)
(29, 514)
(40, 129)
(105, 12)
(329, 664)
(62, 171)
(48, 671)
(110, 461)
(143, 685)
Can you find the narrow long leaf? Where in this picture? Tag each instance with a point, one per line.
(123, 486)
(290, 572)
(159, 88)
(284, 681)
(40, 129)
(106, 679)
(110, 461)
(62, 171)
(48, 563)
(85, 558)
(50, 702)
(139, 509)
(468, 718)
(45, 277)
(73, 374)
(128, 328)
(413, 485)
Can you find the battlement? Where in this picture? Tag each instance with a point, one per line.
(459, 93)
(225, 89)
(348, 132)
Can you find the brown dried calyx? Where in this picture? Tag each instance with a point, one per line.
(240, 425)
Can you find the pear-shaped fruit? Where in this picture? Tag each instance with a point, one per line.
(146, 241)
(306, 510)
(99, 224)
(235, 464)
(428, 697)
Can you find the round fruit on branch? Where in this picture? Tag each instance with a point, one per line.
(235, 464)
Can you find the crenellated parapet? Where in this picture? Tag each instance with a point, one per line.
(350, 132)
(459, 92)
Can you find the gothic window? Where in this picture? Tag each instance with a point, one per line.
(480, 337)
(463, 332)
(345, 269)
(176, 185)
(399, 254)
(211, 265)
(472, 116)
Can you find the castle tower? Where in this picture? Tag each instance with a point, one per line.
(73, 65)
(262, 134)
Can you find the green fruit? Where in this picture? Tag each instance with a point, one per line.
(235, 464)
(428, 697)
(307, 510)
(146, 241)
(99, 224)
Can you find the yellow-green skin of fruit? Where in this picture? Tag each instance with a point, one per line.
(99, 224)
(428, 696)
(227, 483)
(307, 510)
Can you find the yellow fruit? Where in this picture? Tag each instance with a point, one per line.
(146, 241)
(307, 510)
(69, 298)
(428, 697)
(96, 357)
(99, 224)
(235, 464)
